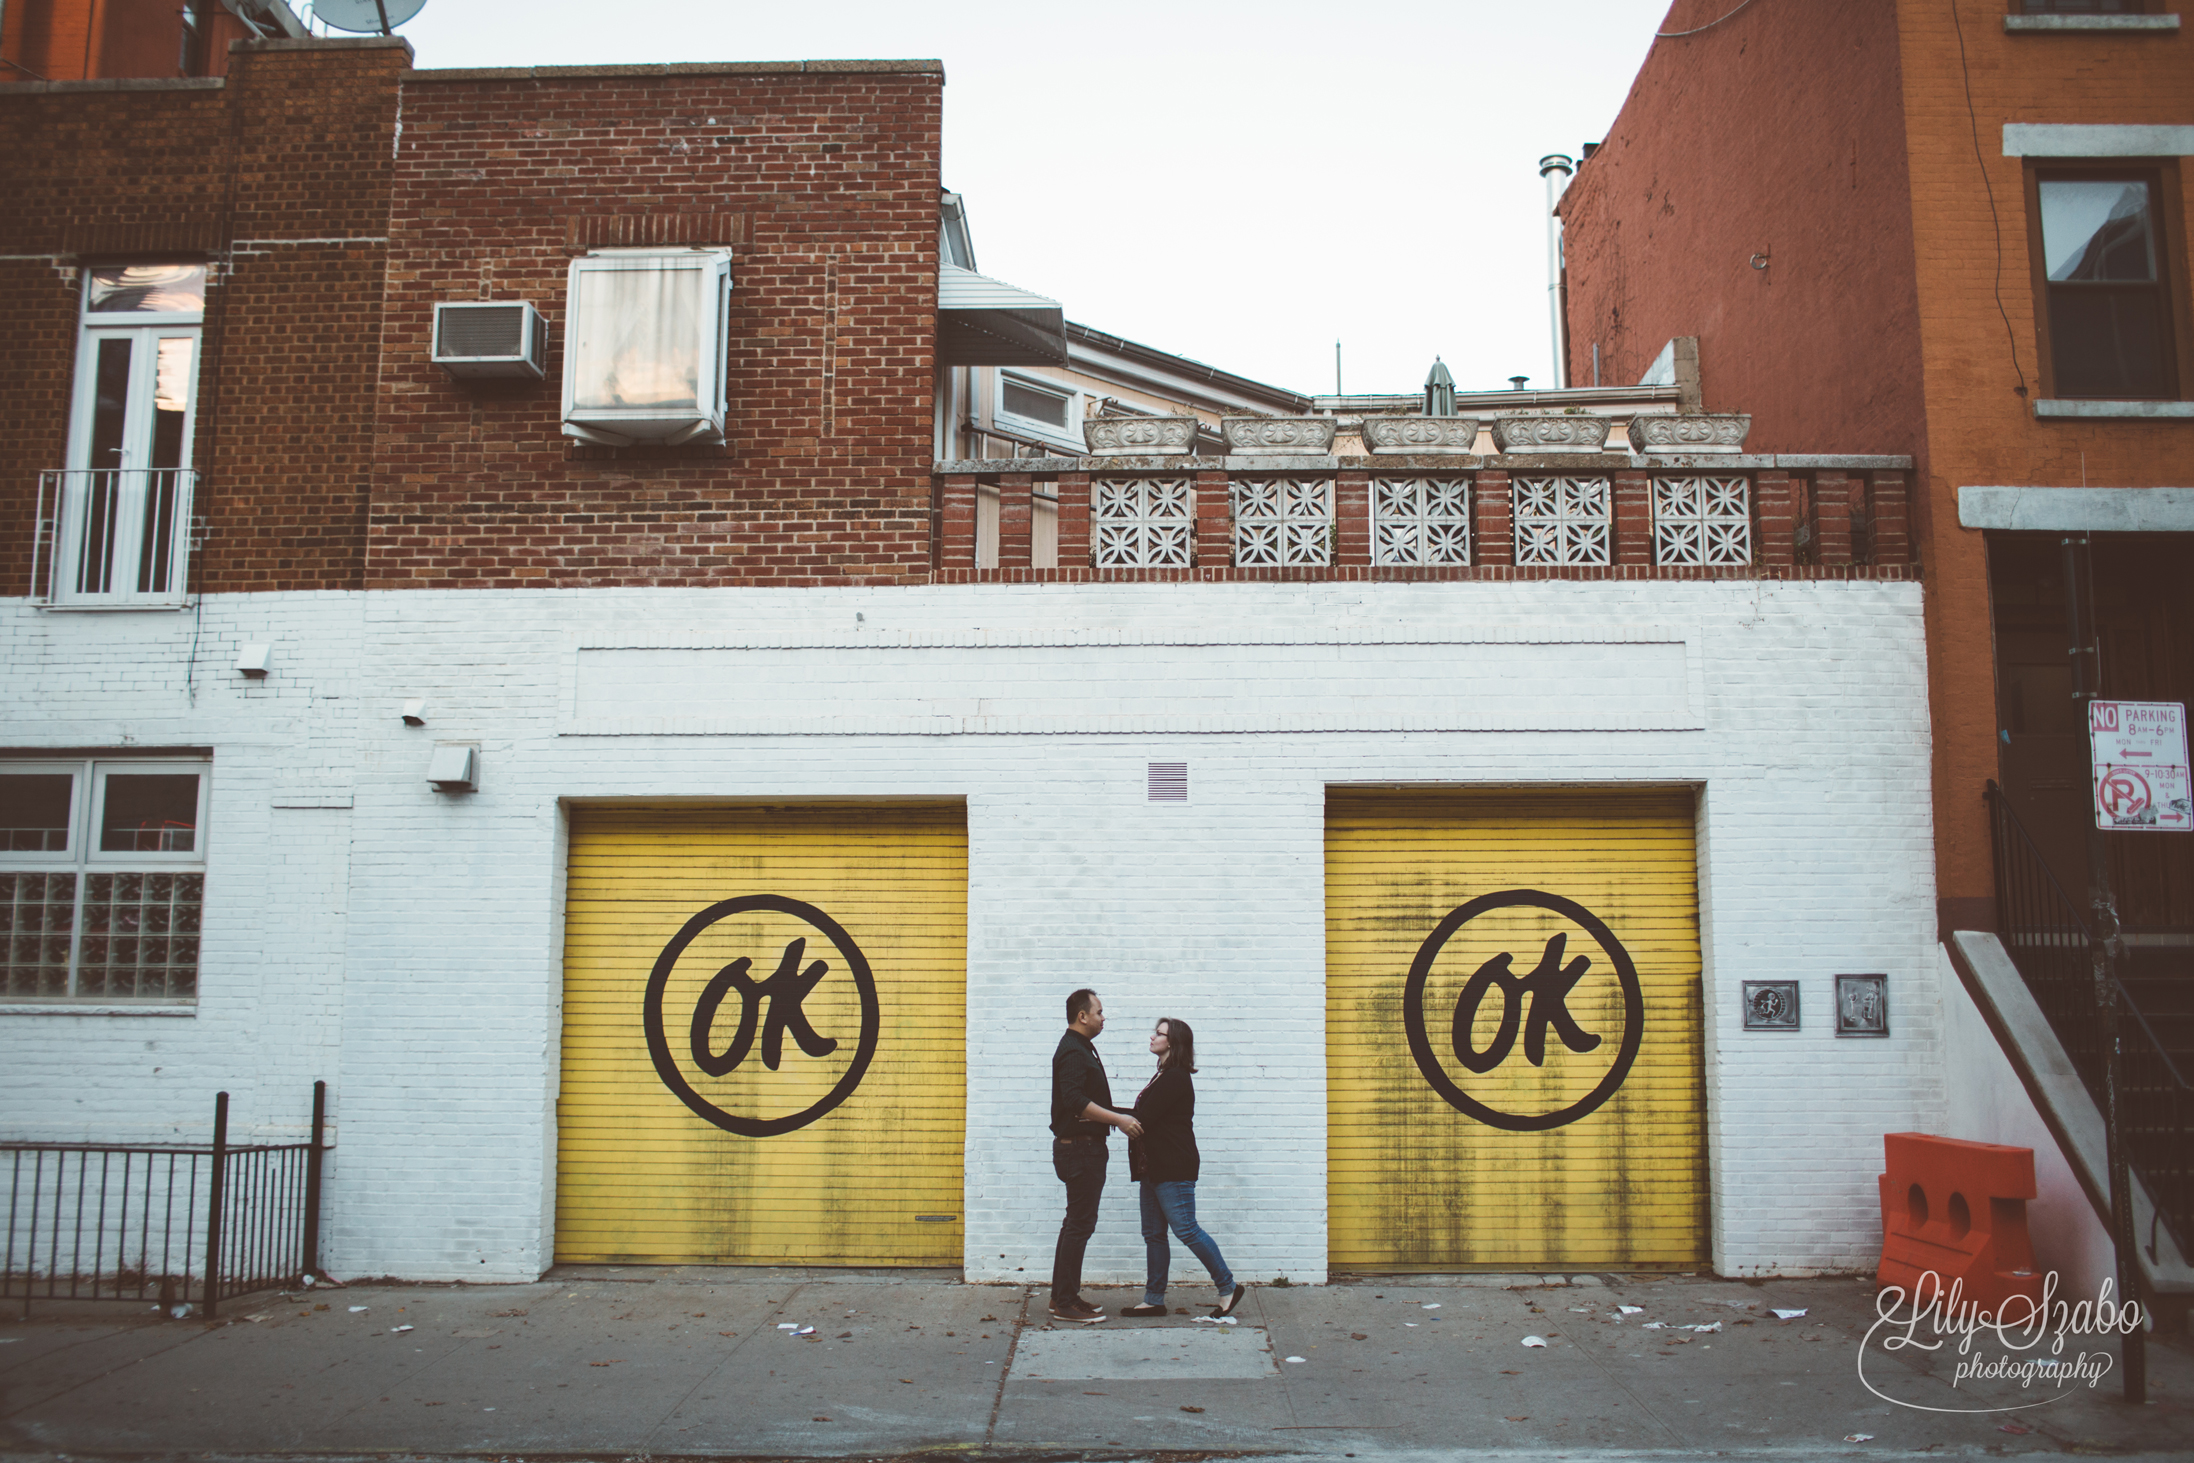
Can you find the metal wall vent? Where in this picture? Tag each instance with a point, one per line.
(488, 338)
(1169, 782)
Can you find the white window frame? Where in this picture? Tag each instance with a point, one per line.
(129, 485)
(78, 786)
(1069, 436)
(652, 424)
(83, 861)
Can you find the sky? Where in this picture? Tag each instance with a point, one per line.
(1243, 185)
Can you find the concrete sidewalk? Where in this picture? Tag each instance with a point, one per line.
(666, 1362)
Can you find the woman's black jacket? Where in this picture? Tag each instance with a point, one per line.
(1166, 1153)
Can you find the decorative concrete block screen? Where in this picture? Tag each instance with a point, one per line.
(1283, 522)
(1420, 521)
(1143, 523)
(1563, 521)
(1702, 520)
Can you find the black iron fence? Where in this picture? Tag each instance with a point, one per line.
(2049, 942)
(180, 1224)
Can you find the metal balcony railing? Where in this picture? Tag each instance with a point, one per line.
(113, 537)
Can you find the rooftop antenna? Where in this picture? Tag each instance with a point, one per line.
(366, 17)
(1336, 368)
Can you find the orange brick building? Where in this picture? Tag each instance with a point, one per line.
(1866, 214)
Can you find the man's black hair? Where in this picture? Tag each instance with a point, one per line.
(1079, 1002)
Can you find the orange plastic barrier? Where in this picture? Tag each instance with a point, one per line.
(1958, 1209)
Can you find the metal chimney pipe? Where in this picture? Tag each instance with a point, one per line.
(1552, 163)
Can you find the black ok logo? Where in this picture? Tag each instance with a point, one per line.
(1531, 1005)
(1548, 986)
(782, 992)
(767, 1008)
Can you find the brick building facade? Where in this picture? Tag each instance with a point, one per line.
(507, 737)
(1959, 232)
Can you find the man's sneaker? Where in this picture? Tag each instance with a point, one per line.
(1083, 1312)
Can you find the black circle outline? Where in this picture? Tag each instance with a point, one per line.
(1420, 1045)
(666, 1066)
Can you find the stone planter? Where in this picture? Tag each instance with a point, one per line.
(1294, 436)
(1421, 436)
(1551, 434)
(1139, 436)
(1701, 432)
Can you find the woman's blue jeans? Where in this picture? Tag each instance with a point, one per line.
(1173, 1206)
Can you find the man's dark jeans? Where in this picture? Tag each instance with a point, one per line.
(1081, 1167)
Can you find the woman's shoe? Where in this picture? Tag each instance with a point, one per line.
(1226, 1307)
(1157, 1310)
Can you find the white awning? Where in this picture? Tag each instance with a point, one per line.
(986, 322)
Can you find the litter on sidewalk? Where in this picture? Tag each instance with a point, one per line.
(1534, 1341)
(1783, 1315)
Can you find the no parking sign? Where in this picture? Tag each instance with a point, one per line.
(2141, 776)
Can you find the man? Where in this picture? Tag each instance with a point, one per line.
(1081, 1120)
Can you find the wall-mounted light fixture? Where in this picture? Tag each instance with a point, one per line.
(455, 767)
(251, 661)
(415, 712)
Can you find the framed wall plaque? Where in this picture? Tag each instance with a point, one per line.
(1771, 1005)
(1862, 1005)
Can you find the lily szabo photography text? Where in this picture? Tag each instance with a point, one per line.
(2026, 1353)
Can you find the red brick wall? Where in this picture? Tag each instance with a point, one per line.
(1983, 369)
(255, 174)
(1776, 134)
(823, 181)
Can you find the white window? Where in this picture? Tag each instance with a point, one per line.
(102, 879)
(114, 524)
(645, 342)
(1030, 406)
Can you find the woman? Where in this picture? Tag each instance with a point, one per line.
(1164, 1159)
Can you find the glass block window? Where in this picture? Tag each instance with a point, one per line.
(1142, 523)
(1420, 521)
(1702, 520)
(1283, 522)
(102, 880)
(1563, 521)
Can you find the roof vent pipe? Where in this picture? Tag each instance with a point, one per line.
(1439, 391)
(1552, 163)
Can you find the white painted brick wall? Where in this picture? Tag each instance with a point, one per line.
(408, 948)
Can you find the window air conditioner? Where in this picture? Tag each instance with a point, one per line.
(490, 338)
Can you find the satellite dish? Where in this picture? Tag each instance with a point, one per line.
(367, 17)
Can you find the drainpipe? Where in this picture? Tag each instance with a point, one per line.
(1552, 163)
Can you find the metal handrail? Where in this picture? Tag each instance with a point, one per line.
(2049, 943)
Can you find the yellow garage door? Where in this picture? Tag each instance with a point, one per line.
(1514, 1070)
(764, 1036)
